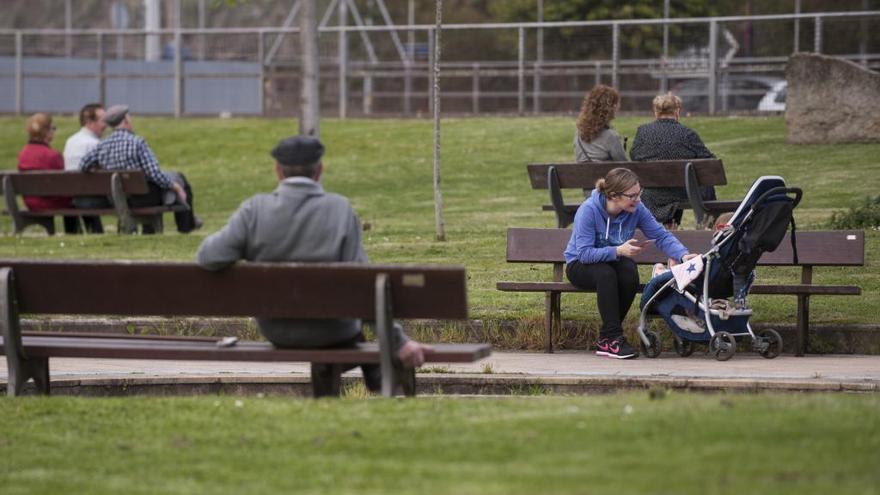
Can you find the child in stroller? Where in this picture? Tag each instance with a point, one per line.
(695, 307)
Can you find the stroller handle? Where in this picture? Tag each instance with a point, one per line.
(798, 194)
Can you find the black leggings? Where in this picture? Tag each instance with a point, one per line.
(615, 283)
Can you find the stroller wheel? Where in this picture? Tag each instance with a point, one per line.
(770, 344)
(722, 346)
(652, 350)
(684, 348)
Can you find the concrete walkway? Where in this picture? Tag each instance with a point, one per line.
(502, 372)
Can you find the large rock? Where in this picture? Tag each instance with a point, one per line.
(831, 101)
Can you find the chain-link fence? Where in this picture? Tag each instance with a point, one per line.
(717, 65)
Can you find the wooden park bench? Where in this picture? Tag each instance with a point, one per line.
(554, 177)
(273, 290)
(814, 248)
(116, 186)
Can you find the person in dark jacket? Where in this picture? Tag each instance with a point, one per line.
(668, 139)
(599, 253)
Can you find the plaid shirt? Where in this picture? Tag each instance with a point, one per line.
(123, 150)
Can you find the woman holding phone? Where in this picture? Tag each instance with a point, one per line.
(599, 254)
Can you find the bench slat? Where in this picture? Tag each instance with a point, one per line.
(792, 289)
(817, 248)
(70, 183)
(135, 348)
(276, 290)
(76, 212)
(710, 172)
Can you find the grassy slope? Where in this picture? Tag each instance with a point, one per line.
(384, 166)
(622, 443)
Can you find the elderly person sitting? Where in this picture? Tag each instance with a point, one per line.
(667, 139)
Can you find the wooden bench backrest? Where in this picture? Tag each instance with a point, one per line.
(817, 248)
(246, 289)
(64, 183)
(667, 173)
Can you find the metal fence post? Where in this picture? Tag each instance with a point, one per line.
(817, 36)
(431, 71)
(178, 74)
(521, 72)
(664, 80)
(539, 60)
(261, 90)
(597, 74)
(102, 71)
(615, 55)
(713, 66)
(475, 89)
(343, 61)
(19, 76)
(797, 26)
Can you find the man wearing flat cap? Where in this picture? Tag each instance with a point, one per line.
(124, 150)
(300, 222)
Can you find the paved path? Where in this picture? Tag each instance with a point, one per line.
(577, 369)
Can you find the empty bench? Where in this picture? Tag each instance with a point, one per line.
(274, 290)
(116, 186)
(688, 174)
(814, 248)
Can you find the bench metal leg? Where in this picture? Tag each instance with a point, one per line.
(326, 380)
(20, 367)
(126, 222)
(406, 381)
(552, 318)
(803, 325)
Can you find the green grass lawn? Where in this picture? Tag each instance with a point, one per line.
(622, 443)
(385, 167)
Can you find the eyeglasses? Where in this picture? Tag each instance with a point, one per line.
(633, 196)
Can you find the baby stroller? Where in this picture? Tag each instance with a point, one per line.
(700, 312)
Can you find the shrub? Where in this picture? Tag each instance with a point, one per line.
(864, 216)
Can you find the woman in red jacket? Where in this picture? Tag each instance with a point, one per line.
(37, 154)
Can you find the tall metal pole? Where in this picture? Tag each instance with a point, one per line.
(713, 66)
(202, 22)
(309, 102)
(343, 61)
(664, 80)
(797, 27)
(19, 76)
(178, 73)
(68, 26)
(410, 58)
(261, 90)
(615, 55)
(152, 22)
(438, 197)
(521, 72)
(102, 71)
(539, 59)
(817, 36)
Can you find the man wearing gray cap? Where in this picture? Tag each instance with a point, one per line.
(301, 222)
(124, 150)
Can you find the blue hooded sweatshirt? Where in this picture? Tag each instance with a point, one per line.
(595, 236)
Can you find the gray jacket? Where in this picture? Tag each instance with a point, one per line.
(296, 222)
(606, 147)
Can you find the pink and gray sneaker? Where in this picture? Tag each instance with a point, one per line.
(617, 348)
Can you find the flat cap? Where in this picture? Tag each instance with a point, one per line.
(115, 115)
(298, 150)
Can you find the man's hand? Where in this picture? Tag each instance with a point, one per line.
(412, 354)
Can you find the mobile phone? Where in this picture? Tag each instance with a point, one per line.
(644, 242)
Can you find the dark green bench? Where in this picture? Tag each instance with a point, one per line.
(814, 248)
(372, 292)
(116, 186)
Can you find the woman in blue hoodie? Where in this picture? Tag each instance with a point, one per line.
(599, 254)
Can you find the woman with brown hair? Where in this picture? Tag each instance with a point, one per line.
(595, 140)
(599, 254)
(37, 154)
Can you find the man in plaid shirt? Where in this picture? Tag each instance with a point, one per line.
(124, 150)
